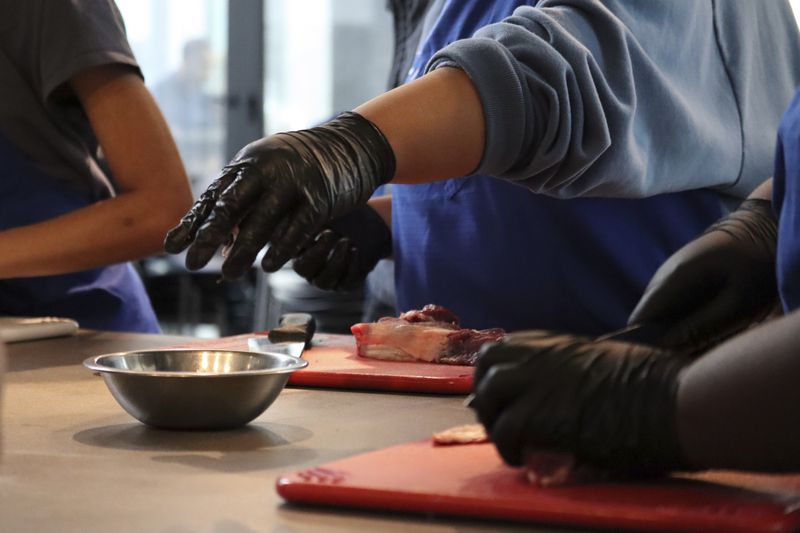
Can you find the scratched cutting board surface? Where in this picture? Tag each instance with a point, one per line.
(471, 480)
(333, 363)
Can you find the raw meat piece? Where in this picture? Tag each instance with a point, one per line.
(466, 434)
(431, 334)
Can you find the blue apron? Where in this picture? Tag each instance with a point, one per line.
(501, 256)
(786, 201)
(109, 298)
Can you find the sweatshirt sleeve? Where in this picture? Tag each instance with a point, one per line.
(614, 98)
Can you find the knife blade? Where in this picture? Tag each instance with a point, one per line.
(263, 344)
(643, 333)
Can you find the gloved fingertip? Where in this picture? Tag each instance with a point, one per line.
(324, 282)
(176, 240)
(233, 269)
(353, 278)
(197, 257)
(174, 246)
(334, 273)
(303, 267)
(272, 261)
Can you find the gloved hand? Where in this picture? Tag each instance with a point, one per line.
(609, 403)
(282, 189)
(346, 251)
(718, 284)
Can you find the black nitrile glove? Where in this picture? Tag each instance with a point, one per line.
(719, 283)
(346, 251)
(609, 403)
(283, 189)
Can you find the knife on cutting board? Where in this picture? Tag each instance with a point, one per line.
(292, 336)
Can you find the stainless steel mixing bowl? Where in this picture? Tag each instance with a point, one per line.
(194, 389)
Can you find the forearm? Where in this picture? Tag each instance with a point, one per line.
(110, 231)
(762, 192)
(434, 125)
(383, 206)
(153, 188)
(737, 405)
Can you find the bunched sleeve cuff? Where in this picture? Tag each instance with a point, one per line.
(606, 98)
(494, 72)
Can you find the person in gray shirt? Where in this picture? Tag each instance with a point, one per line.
(89, 174)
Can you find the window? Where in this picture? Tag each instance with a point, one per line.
(323, 57)
(225, 71)
(181, 46)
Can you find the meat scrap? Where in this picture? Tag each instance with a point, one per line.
(432, 334)
(542, 468)
(431, 313)
(466, 434)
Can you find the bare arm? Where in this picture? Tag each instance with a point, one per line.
(435, 126)
(762, 192)
(738, 405)
(383, 206)
(154, 190)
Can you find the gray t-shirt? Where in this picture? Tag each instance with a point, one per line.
(628, 98)
(43, 43)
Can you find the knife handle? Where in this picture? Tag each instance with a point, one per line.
(294, 327)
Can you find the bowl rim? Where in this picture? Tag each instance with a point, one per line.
(93, 363)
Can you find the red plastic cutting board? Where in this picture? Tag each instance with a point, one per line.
(471, 480)
(332, 362)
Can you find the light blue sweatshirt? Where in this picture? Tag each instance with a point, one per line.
(612, 98)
